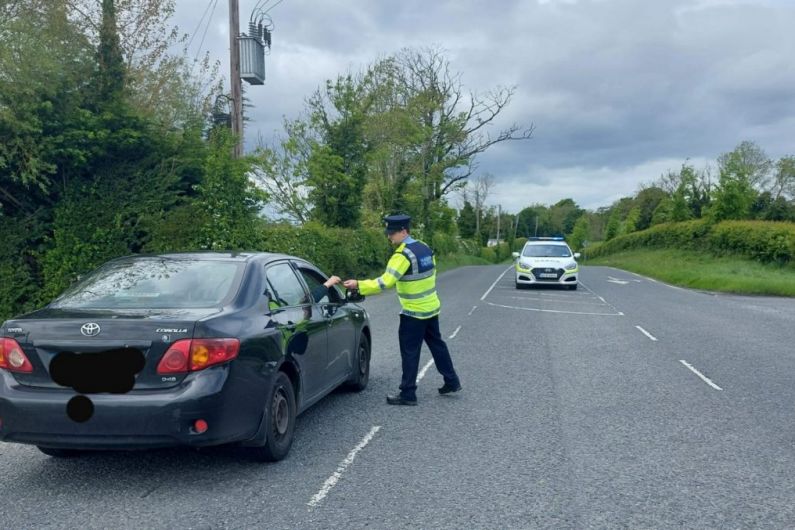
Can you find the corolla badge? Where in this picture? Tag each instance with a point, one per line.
(90, 329)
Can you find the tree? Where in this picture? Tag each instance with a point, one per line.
(747, 162)
(739, 171)
(647, 200)
(455, 128)
(579, 233)
(467, 227)
(784, 180)
(563, 215)
(282, 172)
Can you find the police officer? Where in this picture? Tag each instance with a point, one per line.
(412, 268)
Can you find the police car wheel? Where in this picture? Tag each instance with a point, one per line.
(361, 368)
(573, 287)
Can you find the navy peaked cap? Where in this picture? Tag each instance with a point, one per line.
(396, 223)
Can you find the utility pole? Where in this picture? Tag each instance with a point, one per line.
(536, 232)
(234, 76)
(515, 229)
(499, 214)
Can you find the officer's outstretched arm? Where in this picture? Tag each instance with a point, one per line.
(395, 269)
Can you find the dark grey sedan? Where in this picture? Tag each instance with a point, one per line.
(182, 349)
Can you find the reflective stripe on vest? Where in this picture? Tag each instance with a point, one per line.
(417, 288)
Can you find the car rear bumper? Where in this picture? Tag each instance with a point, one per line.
(135, 420)
(528, 278)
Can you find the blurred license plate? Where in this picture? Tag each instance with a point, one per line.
(548, 275)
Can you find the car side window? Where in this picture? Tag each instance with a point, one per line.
(315, 282)
(284, 287)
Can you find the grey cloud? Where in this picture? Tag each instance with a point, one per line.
(615, 84)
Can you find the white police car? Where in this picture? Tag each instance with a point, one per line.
(546, 261)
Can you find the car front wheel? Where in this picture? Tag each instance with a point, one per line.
(280, 418)
(362, 367)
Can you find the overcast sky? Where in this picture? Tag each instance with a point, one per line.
(619, 91)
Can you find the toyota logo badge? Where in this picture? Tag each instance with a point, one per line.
(90, 329)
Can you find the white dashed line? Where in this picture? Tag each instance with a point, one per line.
(424, 369)
(652, 337)
(472, 310)
(702, 376)
(619, 314)
(334, 478)
(455, 333)
(495, 283)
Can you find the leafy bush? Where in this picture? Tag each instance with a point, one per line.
(342, 251)
(764, 241)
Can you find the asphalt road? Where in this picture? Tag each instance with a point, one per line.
(627, 403)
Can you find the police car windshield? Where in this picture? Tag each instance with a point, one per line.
(546, 251)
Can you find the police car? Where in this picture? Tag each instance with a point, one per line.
(546, 261)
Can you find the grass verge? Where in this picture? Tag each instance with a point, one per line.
(704, 271)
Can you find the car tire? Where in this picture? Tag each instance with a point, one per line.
(280, 421)
(59, 453)
(573, 287)
(362, 368)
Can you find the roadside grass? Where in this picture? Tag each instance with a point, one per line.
(452, 261)
(704, 271)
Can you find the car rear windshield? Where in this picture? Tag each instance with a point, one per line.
(156, 283)
(546, 251)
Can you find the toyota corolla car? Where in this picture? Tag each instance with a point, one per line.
(183, 349)
(546, 261)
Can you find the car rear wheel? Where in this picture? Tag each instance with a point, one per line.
(59, 453)
(280, 418)
(362, 368)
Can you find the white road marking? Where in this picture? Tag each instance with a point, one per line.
(611, 306)
(424, 369)
(619, 314)
(495, 283)
(702, 376)
(334, 478)
(652, 337)
(455, 333)
(616, 280)
(472, 310)
(556, 301)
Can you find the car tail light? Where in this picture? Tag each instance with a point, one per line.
(12, 357)
(207, 352)
(175, 360)
(190, 355)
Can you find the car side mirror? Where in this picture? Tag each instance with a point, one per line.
(577, 255)
(515, 255)
(270, 305)
(353, 295)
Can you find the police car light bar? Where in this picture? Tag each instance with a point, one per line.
(556, 238)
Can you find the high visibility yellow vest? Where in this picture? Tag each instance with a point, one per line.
(413, 269)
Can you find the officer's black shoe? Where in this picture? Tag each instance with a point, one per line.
(446, 389)
(397, 399)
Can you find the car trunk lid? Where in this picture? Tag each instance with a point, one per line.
(101, 348)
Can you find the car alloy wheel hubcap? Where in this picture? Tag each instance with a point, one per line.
(280, 411)
(362, 360)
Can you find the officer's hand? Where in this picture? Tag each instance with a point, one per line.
(334, 280)
(351, 284)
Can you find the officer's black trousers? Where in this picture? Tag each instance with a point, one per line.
(411, 333)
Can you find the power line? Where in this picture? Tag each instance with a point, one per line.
(209, 20)
(195, 31)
